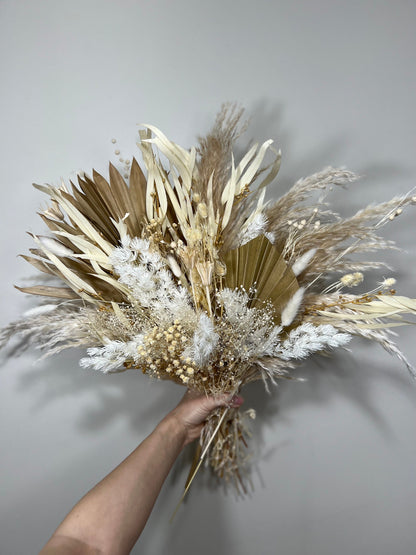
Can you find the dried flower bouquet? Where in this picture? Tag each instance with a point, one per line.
(187, 274)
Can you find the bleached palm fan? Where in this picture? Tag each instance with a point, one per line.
(186, 273)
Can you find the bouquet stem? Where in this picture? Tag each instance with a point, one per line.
(201, 459)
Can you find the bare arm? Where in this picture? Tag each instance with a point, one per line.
(111, 517)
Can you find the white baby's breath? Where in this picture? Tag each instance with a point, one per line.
(253, 228)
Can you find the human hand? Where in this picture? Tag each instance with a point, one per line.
(194, 409)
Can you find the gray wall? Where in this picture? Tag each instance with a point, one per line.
(333, 83)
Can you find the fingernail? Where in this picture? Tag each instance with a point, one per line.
(236, 400)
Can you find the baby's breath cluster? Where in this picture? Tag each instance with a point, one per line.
(162, 353)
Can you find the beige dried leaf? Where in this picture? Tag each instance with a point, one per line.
(260, 264)
(48, 291)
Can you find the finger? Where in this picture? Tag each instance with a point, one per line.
(193, 394)
(225, 399)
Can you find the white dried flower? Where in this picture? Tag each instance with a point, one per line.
(251, 413)
(303, 261)
(388, 282)
(112, 355)
(351, 280)
(253, 228)
(121, 255)
(235, 304)
(307, 339)
(138, 244)
(292, 307)
(204, 341)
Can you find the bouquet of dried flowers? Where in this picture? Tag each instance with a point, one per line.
(185, 273)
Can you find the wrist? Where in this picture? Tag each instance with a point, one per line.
(172, 430)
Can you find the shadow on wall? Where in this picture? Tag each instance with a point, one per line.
(266, 120)
(200, 525)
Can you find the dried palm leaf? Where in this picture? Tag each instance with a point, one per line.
(260, 265)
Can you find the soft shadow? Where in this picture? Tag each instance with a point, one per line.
(200, 524)
(267, 121)
(130, 395)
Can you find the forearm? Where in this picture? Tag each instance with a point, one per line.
(110, 518)
(112, 515)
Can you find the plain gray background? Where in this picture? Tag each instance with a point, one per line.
(333, 83)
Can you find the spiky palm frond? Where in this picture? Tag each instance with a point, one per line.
(260, 265)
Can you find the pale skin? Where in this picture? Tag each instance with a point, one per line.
(110, 518)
